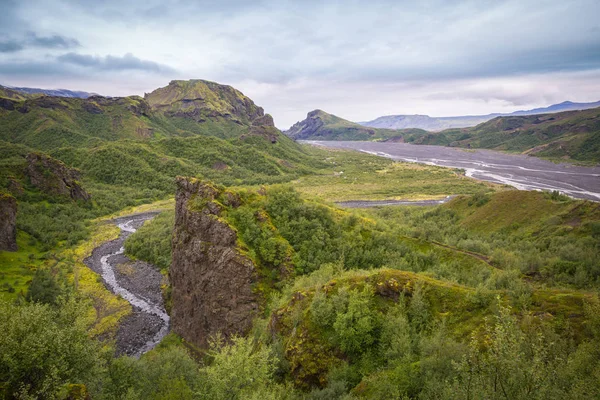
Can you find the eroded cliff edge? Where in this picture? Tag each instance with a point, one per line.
(212, 282)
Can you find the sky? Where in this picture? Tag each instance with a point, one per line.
(355, 59)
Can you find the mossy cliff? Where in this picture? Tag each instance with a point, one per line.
(212, 282)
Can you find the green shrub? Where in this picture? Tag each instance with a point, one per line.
(42, 348)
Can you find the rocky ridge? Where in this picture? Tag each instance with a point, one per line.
(320, 125)
(201, 100)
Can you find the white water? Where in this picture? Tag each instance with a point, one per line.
(136, 300)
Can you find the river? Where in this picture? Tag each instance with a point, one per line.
(520, 171)
(137, 282)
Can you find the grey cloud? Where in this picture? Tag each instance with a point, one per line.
(114, 63)
(10, 46)
(51, 42)
(367, 46)
(31, 39)
(9, 19)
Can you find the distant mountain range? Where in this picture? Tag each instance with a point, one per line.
(440, 123)
(50, 92)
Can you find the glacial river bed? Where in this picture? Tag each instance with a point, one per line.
(520, 171)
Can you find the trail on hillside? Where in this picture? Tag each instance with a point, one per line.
(137, 282)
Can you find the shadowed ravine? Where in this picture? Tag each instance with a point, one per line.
(137, 282)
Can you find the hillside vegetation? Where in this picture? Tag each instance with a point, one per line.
(129, 150)
(567, 135)
(420, 302)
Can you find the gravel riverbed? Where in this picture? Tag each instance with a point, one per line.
(137, 282)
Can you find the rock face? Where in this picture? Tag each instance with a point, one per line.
(8, 226)
(211, 281)
(54, 177)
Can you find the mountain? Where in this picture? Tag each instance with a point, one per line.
(566, 135)
(201, 100)
(186, 128)
(179, 109)
(8, 93)
(48, 92)
(320, 125)
(440, 123)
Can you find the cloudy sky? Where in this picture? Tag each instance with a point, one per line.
(355, 59)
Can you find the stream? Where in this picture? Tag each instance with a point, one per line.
(139, 283)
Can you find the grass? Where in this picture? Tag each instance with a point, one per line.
(17, 268)
(455, 307)
(525, 212)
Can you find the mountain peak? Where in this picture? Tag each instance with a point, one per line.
(201, 100)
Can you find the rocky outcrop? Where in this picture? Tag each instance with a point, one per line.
(212, 282)
(54, 177)
(8, 226)
(265, 127)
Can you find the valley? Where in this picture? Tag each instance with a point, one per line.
(163, 238)
(179, 245)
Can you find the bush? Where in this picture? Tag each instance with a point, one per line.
(43, 288)
(43, 348)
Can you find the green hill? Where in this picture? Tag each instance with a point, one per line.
(320, 125)
(186, 128)
(566, 135)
